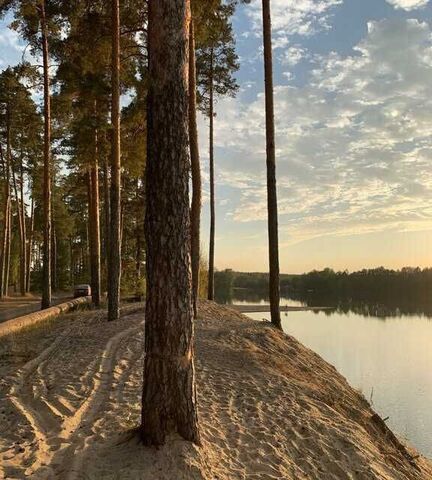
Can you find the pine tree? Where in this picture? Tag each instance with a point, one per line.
(169, 398)
(216, 64)
(114, 265)
(274, 289)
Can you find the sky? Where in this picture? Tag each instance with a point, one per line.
(353, 108)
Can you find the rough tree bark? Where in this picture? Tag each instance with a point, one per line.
(272, 209)
(169, 396)
(46, 274)
(212, 186)
(114, 270)
(196, 171)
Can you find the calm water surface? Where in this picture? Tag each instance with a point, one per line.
(389, 360)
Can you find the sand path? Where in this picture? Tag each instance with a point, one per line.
(269, 409)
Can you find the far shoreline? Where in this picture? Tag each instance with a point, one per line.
(266, 308)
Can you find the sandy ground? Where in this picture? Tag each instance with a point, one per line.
(269, 408)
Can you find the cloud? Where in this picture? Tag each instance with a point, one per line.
(9, 39)
(354, 145)
(408, 4)
(11, 47)
(293, 55)
(289, 17)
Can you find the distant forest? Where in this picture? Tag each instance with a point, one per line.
(328, 287)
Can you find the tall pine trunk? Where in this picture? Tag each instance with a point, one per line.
(115, 204)
(196, 171)
(272, 209)
(46, 274)
(24, 233)
(6, 209)
(19, 201)
(169, 396)
(212, 186)
(95, 246)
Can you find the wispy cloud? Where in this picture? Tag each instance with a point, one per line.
(408, 4)
(301, 17)
(353, 145)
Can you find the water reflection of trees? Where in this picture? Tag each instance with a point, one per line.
(384, 308)
(378, 309)
(379, 293)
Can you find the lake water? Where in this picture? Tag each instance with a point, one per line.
(388, 359)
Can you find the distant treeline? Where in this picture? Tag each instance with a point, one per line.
(372, 285)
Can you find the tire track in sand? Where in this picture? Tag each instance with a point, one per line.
(59, 437)
(22, 397)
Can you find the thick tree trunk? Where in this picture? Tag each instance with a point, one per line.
(274, 289)
(114, 270)
(196, 171)
(95, 246)
(46, 277)
(212, 187)
(169, 396)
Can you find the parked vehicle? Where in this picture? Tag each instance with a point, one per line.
(82, 291)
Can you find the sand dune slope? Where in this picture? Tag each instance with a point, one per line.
(269, 408)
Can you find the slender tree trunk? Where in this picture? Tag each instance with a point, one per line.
(95, 247)
(107, 210)
(138, 255)
(138, 238)
(169, 396)
(115, 240)
(24, 233)
(121, 225)
(3, 259)
(8, 248)
(21, 222)
(196, 171)
(54, 258)
(30, 245)
(272, 208)
(71, 263)
(212, 187)
(46, 277)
